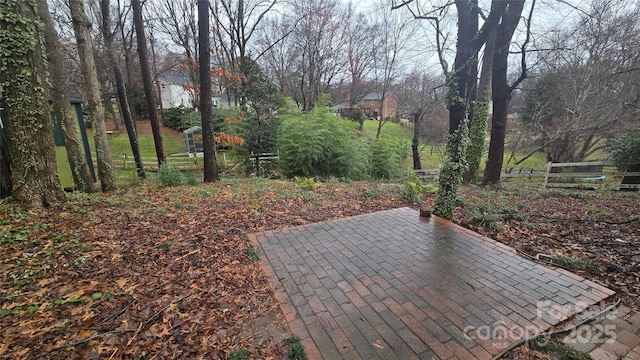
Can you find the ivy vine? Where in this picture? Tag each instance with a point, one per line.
(477, 136)
(452, 171)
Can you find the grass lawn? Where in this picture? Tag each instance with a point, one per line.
(388, 129)
(172, 143)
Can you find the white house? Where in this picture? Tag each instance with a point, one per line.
(173, 94)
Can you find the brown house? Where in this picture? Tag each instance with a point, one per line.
(370, 106)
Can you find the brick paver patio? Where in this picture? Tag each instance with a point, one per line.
(389, 285)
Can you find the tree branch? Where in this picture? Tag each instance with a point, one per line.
(523, 60)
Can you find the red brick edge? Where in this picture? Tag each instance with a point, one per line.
(295, 324)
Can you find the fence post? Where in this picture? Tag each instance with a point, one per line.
(124, 159)
(546, 176)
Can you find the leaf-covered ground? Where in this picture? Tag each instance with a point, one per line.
(594, 234)
(151, 272)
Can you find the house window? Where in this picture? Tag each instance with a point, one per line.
(371, 102)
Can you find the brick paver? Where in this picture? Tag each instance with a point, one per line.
(389, 285)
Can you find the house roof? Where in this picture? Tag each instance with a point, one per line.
(375, 96)
(342, 105)
(193, 129)
(74, 95)
(174, 79)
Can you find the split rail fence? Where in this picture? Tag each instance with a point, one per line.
(580, 175)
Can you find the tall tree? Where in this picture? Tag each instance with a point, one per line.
(206, 106)
(120, 86)
(81, 27)
(176, 19)
(236, 21)
(82, 177)
(588, 88)
(145, 70)
(480, 115)
(392, 34)
(320, 44)
(360, 56)
(501, 89)
(461, 92)
(28, 127)
(419, 97)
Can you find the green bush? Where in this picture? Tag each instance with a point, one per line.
(180, 118)
(385, 159)
(489, 215)
(358, 116)
(305, 183)
(170, 175)
(318, 143)
(414, 189)
(241, 354)
(624, 150)
(296, 349)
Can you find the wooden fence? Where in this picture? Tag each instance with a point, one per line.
(125, 161)
(580, 175)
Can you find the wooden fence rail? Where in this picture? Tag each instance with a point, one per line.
(585, 175)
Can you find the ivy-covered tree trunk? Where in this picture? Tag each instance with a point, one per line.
(27, 121)
(120, 87)
(478, 128)
(452, 170)
(206, 106)
(81, 27)
(147, 83)
(82, 177)
(461, 87)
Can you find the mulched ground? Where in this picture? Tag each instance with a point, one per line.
(152, 272)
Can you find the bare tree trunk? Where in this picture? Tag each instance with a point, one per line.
(96, 110)
(382, 120)
(28, 126)
(415, 142)
(206, 106)
(120, 87)
(110, 113)
(501, 91)
(80, 172)
(146, 80)
(154, 64)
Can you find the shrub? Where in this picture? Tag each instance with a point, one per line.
(624, 150)
(180, 118)
(414, 189)
(169, 175)
(305, 183)
(241, 354)
(318, 143)
(358, 116)
(191, 179)
(296, 349)
(385, 159)
(489, 216)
